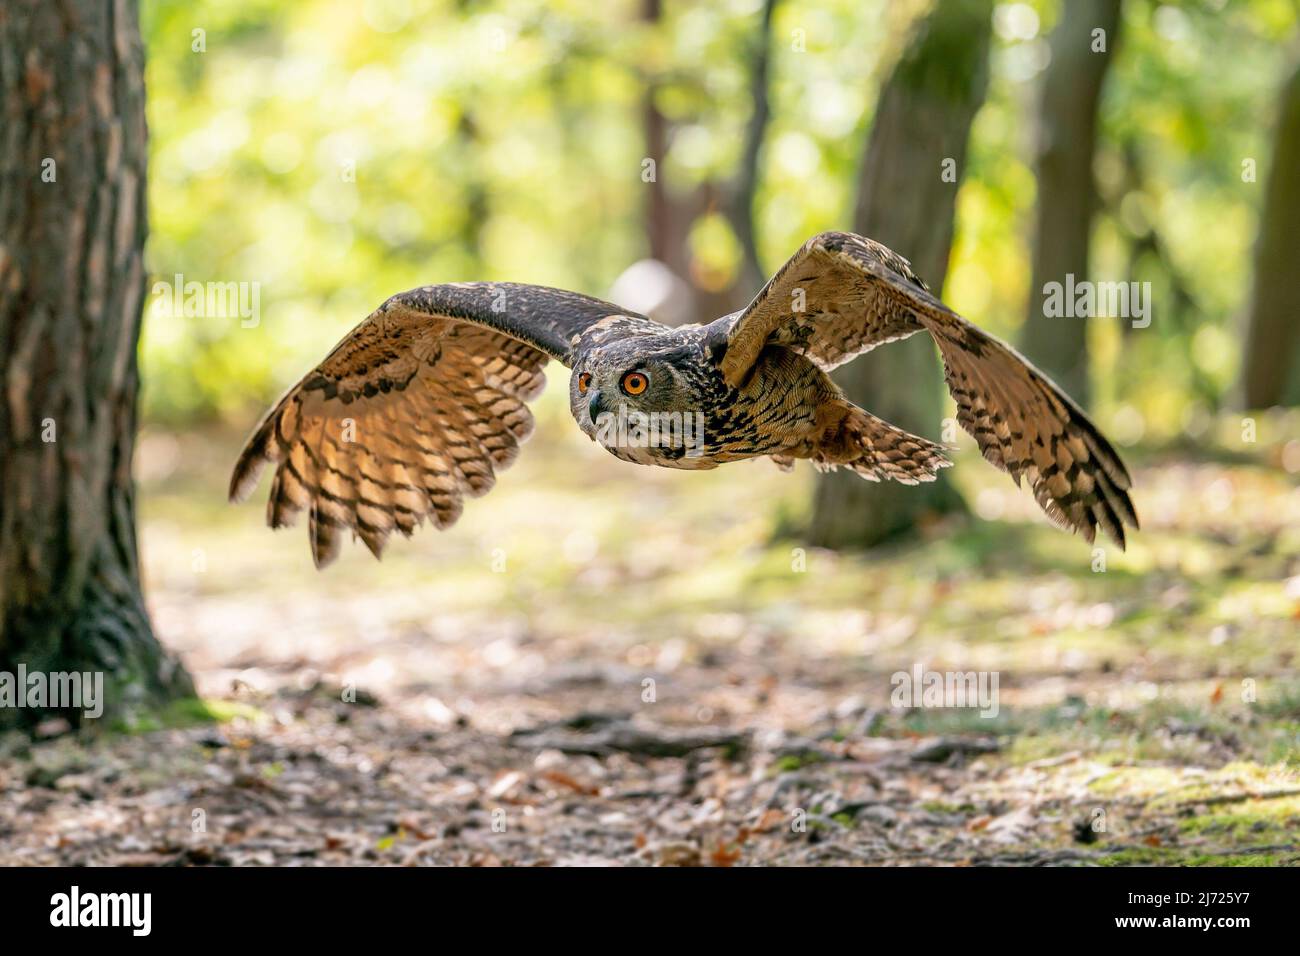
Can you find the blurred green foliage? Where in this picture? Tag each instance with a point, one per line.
(337, 152)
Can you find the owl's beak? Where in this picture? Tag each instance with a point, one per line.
(595, 406)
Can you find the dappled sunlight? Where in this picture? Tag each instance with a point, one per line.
(603, 663)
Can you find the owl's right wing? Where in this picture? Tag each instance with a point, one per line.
(842, 294)
(417, 407)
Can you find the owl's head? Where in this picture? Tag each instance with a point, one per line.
(640, 403)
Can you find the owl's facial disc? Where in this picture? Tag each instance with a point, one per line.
(638, 386)
(638, 408)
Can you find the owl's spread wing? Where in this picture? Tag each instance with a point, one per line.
(857, 294)
(417, 407)
(824, 304)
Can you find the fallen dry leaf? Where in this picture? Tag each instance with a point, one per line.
(564, 780)
(506, 783)
(770, 819)
(724, 855)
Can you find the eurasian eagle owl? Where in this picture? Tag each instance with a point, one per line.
(425, 400)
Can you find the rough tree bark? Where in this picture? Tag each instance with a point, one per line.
(1270, 368)
(920, 131)
(1067, 195)
(72, 228)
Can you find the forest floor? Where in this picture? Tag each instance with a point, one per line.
(617, 666)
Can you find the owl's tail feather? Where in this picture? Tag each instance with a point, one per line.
(852, 438)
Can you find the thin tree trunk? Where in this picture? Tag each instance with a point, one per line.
(669, 217)
(664, 227)
(72, 228)
(1270, 368)
(1067, 195)
(920, 132)
(741, 214)
(477, 208)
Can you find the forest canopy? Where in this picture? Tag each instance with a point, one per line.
(336, 152)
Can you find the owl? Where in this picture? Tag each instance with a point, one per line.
(426, 400)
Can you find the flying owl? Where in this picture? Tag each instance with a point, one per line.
(422, 403)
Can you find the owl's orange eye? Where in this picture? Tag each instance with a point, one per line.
(634, 383)
(584, 383)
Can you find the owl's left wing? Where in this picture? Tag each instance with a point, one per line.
(417, 407)
(843, 294)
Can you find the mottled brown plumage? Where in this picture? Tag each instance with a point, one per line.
(425, 400)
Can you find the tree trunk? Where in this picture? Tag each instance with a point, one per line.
(920, 133)
(1270, 368)
(1067, 196)
(665, 243)
(741, 212)
(72, 229)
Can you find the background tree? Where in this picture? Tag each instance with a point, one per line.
(741, 204)
(72, 281)
(672, 292)
(664, 234)
(1067, 196)
(1270, 367)
(906, 201)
